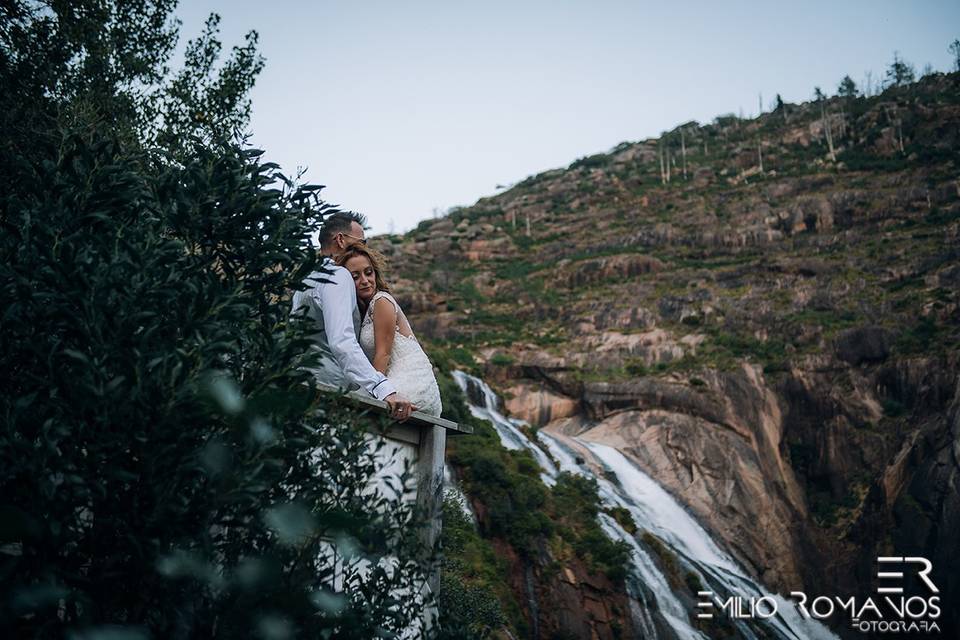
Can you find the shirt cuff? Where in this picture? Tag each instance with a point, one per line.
(382, 389)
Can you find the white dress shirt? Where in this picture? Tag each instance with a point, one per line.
(332, 305)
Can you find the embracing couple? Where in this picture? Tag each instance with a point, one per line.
(362, 335)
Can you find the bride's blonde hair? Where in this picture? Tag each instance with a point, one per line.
(377, 260)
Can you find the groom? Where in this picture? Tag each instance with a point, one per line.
(331, 304)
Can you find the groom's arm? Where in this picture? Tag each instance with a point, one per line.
(336, 302)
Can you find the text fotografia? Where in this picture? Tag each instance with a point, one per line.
(887, 611)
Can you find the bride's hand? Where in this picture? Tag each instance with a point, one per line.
(400, 407)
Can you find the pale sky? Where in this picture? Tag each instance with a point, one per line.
(401, 108)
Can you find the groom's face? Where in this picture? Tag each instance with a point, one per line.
(346, 240)
(356, 233)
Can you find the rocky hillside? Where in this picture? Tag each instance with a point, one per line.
(762, 313)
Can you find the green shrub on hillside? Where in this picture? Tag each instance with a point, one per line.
(519, 509)
(576, 505)
(591, 162)
(473, 580)
(920, 337)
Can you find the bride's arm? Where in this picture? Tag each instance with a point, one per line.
(384, 329)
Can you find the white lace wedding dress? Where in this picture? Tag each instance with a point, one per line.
(412, 374)
(409, 369)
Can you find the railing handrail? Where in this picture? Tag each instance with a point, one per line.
(416, 418)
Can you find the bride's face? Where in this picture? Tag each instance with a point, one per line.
(364, 277)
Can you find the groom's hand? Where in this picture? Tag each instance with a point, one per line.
(400, 407)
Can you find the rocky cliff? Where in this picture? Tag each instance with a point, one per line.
(768, 328)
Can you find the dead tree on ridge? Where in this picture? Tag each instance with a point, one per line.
(818, 94)
(683, 151)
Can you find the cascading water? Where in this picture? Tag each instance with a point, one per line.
(483, 405)
(456, 494)
(657, 609)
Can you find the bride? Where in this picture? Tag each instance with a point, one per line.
(385, 334)
(388, 341)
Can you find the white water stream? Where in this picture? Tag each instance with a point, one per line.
(657, 610)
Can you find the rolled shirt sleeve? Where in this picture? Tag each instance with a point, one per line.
(337, 299)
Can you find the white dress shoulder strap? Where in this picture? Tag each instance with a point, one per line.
(403, 325)
(383, 294)
(373, 303)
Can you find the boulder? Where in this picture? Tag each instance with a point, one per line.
(539, 405)
(863, 345)
(595, 270)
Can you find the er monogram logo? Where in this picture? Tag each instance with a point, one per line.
(924, 573)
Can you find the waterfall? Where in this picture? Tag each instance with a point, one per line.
(453, 491)
(657, 609)
(484, 405)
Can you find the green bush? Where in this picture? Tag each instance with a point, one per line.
(470, 294)
(501, 360)
(473, 580)
(893, 408)
(623, 518)
(921, 337)
(576, 505)
(636, 367)
(157, 428)
(591, 162)
(166, 467)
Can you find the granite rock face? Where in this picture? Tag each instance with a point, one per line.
(718, 448)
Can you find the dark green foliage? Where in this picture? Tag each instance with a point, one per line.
(523, 241)
(450, 394)
(899, 72)
(823, 508)
(166, 467)
(515, 270)
(728, 345)
(472, 579)
(157, 431)
(623, 518)
(860, 159)
(199, 100)
(519, 509)
(847, 88)
(107, 62)
(591, 162)
(893, 408)
(471, 214)
(507, 481)
(509, 484)
(95, 56)
(470, 294)
(636, 368)
(501, 360)
(693, 582)
(918, 338)
(575, 506)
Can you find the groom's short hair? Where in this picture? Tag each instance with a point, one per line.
(339, 222)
